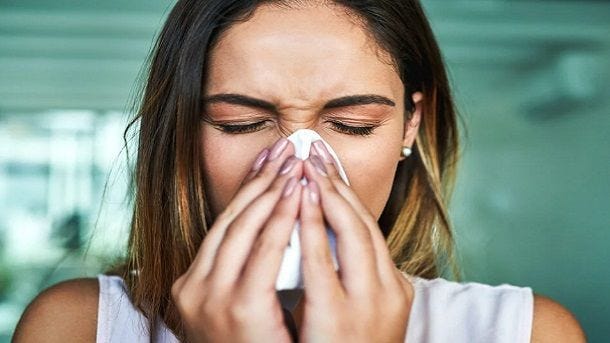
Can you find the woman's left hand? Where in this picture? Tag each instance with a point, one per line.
(368, 300)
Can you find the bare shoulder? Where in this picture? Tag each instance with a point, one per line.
(554, 323)
(64, 312)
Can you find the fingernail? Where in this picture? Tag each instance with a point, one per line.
(260, 160)
(318, 164)
(288, 165)
(290, 186)
(322, 151)
(278, 148)
(314, 192)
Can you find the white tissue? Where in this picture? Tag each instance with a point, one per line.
(291, 275)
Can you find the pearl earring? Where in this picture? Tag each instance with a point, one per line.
(406, 151)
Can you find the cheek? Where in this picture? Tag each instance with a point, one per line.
(371, 170)
(225, 161)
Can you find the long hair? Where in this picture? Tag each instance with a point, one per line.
(171, 216)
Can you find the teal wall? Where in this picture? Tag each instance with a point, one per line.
(531, 80)
(532, 204)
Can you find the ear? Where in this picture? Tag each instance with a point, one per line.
(412, 125)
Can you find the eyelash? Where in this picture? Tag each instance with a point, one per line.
(236, 129)
(353, 130)
(338, 126)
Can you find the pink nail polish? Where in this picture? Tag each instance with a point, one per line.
(288, 165)
(260, 160)
(318, 164)
(322, 151)
(314, 192)
(290, 186)
(278, 148)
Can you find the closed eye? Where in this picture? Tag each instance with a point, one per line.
(353, 130)
(336, 126)
(240, 128)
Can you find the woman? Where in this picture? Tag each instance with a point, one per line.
(217, 192)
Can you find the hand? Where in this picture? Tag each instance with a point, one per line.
(228, 293)
(369, 299)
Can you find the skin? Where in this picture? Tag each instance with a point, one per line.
(335, 58)
(228, 292)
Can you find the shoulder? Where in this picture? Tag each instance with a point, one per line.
(554, 323)
(454, 311)
(505, 307)
(64, 312)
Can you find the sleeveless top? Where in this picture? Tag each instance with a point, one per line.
(442, 311)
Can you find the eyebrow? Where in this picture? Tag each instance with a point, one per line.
(344, 101)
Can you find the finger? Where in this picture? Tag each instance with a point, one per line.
(242, 232)
(319, 148)
(257, 165)
(264, 176)
(263, 264)
(319, 275)
(356, 253)
(385, 263)
(259, 178)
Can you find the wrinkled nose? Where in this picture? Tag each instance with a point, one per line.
(286, 128)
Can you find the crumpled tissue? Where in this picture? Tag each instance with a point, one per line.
(290, 275)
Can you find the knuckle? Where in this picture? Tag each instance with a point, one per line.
(368, 218)
(211, 306)
(272, 194)
(241, 311)
(276, 187)
(208, 304)
(336, 181)
(325, 185)
(311, 218)
(278, 184)
(267, 171)
(177, 287)
(258, 181)
(334, 176)
(317, 256)
(267, 242)
(186, 307)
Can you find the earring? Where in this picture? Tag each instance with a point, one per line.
(406, 151)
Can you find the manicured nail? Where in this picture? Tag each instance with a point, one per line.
(322, 151)
(288, 165)
(278, 148)
(290, 186)
(260, 160)
(314, 192)
(318, 164)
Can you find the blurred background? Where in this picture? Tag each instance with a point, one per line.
(532, 82)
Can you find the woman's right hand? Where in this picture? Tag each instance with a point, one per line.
(228, 293)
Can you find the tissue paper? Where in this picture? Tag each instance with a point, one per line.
(290, 275)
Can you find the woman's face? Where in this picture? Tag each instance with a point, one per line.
(296, 62)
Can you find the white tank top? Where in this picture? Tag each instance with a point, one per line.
(442, 311)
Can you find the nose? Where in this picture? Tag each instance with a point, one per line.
(286, 128)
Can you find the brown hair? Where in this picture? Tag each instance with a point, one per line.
(171, 218)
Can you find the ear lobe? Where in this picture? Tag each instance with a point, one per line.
(412, 126)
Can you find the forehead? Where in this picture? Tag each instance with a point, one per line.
(300, 54)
